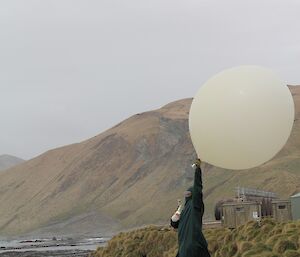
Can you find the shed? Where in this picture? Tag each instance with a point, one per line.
(295, 202)
(238, 213)
(281, 210)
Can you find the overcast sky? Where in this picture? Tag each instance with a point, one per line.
(71, 69)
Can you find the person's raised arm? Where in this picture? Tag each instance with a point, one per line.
(197, 192)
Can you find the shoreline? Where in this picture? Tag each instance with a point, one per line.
(58, 253)
(77, 247)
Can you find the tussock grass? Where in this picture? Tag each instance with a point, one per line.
(268, 239)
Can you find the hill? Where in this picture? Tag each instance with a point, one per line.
(269, 239)
(130, 175)
(8, 161)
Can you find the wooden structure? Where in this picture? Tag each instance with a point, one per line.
(259, 196)
(251, 204)
(238, 213)
(281, 210)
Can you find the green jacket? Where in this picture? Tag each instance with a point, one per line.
(191, 240)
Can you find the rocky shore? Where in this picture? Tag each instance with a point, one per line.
(59, 253)
(61, 247)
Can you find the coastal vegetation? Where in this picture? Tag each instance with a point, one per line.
(265, 239)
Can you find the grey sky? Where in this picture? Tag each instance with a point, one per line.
(70, 69)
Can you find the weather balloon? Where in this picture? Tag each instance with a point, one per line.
(241, 117)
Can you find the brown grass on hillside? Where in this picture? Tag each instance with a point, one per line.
(268, 239)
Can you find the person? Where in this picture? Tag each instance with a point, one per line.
(188, 220)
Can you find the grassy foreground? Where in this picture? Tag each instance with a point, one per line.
(269, 239)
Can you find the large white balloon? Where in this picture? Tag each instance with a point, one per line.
(241, 117)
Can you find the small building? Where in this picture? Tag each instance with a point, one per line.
(295, 202)
(281, 210)
(238, 213)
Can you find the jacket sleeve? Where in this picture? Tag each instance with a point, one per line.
(197, 192)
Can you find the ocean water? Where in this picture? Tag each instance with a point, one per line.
(52, 245)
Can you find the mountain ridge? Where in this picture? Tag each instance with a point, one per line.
(7, 161)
